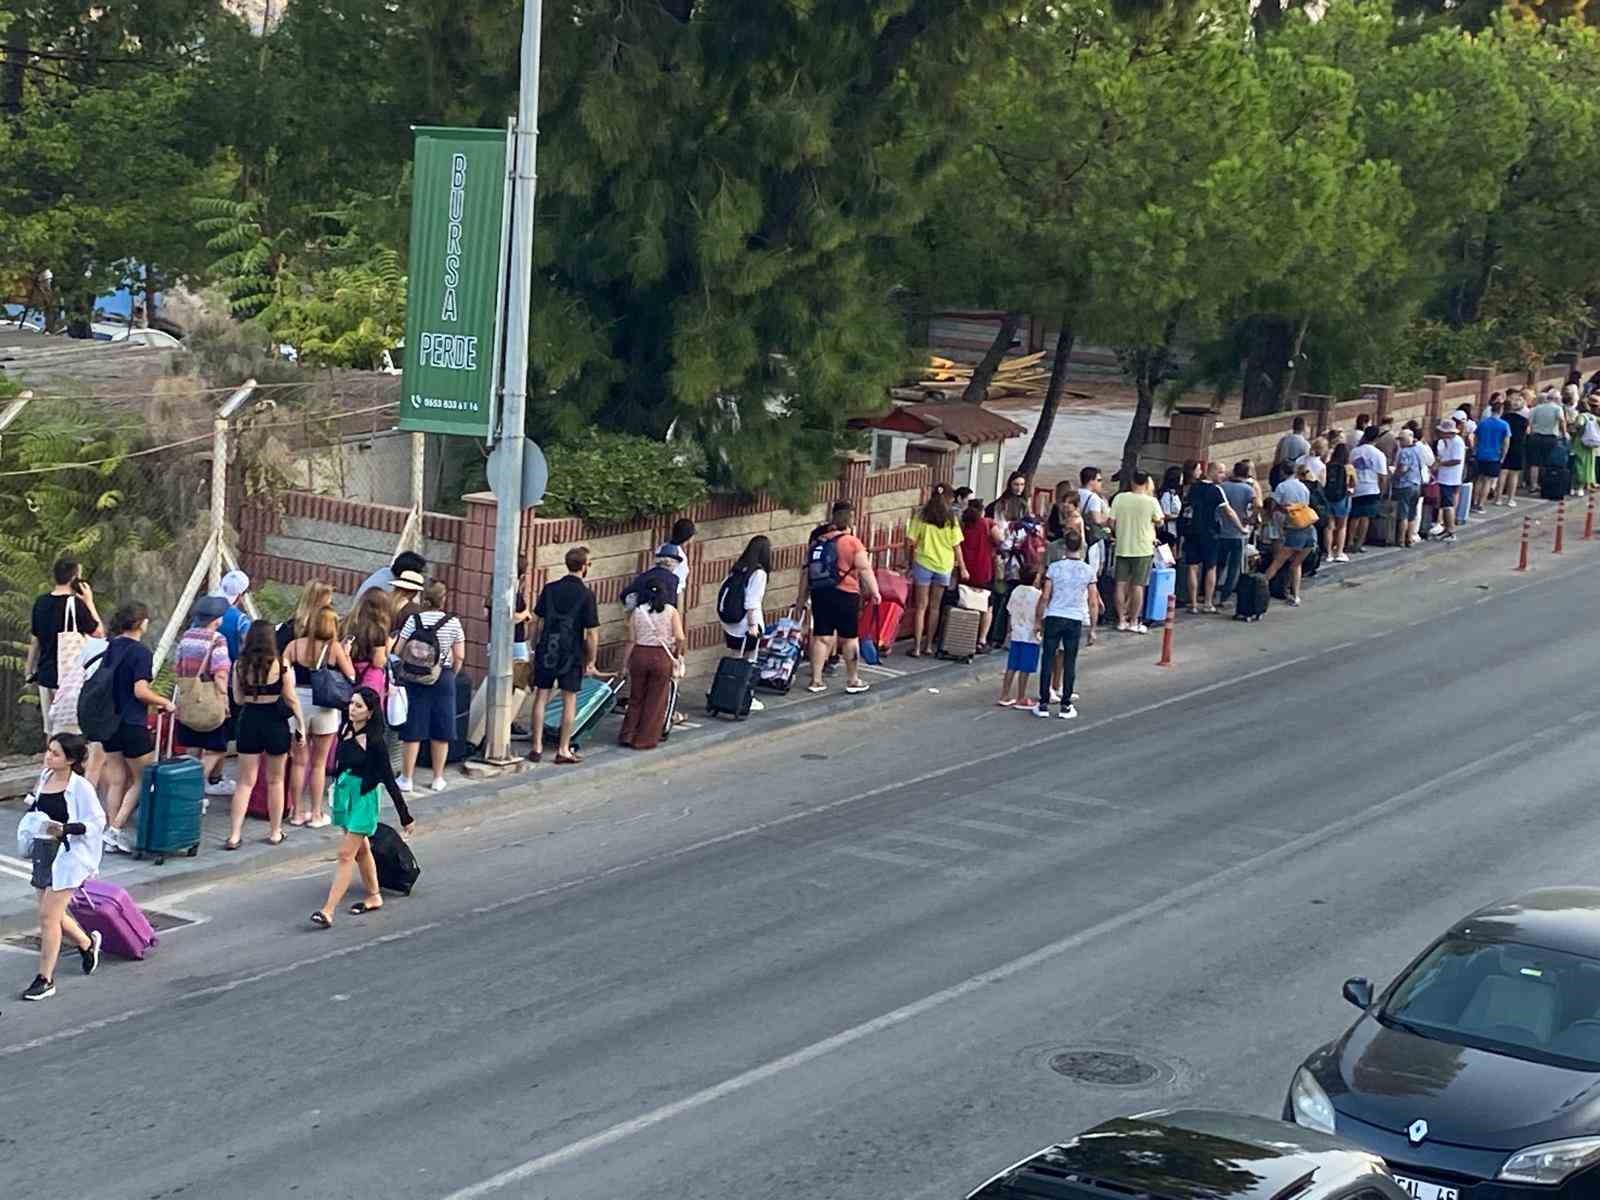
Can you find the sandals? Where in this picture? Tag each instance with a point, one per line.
(855, 689)
(361, 906)
(277, 841)
(320, 920)
(535, 755)
(230, 844)
(816, 689)
(568, 760)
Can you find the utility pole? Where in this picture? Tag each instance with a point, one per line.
(514, 391)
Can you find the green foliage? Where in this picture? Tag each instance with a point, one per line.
(343, 316)
(605, 477)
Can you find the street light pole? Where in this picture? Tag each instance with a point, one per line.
(514, 391)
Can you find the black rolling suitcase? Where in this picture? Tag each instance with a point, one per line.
(1555, 483)
(732, 688)
(397, 866)
(1253, 597)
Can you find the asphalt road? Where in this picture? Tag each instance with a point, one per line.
(839, 964)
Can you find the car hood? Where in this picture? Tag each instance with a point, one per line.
(1390, 1078)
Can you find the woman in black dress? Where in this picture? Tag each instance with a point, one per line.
(1516, 452)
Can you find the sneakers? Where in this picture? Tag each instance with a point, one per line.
(321, 822)
(1073, 698)
(1294, 601)
(439, 784)
(404, 783)
(40, 989)
(91, 956)
(1068, 713)
(1055, 695)
(1138, 627)
(757, 706)
(1041, 710)
(1509, 503)
(118, 841)
(1436, 531)
(1341, 558)
(222, 787)
(1124, 627)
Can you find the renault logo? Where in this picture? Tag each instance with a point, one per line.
(1418, 1132)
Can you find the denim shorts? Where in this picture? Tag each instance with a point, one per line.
(1339, 508)
(924, 577)
(1407, 500)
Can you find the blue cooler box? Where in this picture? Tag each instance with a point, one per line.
(1162, 582)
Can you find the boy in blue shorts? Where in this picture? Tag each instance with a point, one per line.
(1022, 660)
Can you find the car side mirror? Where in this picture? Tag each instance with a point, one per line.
(1359, 992)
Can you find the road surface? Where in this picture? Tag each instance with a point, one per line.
(840, 962)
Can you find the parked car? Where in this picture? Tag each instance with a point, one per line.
(1476, 1073)
(1196, 1155)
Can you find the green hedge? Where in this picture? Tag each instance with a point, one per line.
(607, 477)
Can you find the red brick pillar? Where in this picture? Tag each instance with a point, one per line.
(473, 577)
(1321, 408)
(1190, 435)
(1435, 385)
(1381, 397)
(1482, 375)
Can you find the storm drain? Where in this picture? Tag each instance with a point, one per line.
(161, 922)
(1106, 1068)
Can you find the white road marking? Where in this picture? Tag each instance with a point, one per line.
(986, 826)
(1022, 810)
(944, 843)
(1245, 869)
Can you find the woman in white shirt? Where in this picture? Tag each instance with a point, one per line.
(744, 635)
(655, 642)
(68, 825)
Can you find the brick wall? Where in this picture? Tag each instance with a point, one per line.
(307, 536)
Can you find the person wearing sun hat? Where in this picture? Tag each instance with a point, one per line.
(407, 588)
(1451, 451)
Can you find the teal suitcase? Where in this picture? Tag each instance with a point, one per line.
(172, 797)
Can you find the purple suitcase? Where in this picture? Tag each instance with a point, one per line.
(124, 931)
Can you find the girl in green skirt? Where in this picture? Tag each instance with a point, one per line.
(362, 768)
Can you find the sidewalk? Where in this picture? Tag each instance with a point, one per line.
(897, 677)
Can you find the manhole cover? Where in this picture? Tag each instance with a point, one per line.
(161, 922)
(1108, 1068)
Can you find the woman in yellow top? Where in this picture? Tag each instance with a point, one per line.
(934, 537)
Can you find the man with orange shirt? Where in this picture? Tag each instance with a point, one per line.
(838, 568)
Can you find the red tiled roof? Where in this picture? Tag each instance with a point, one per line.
(964, 424)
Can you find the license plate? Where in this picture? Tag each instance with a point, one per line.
(1418, 1190)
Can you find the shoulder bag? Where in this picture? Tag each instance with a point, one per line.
(329, 688)
(201, 707)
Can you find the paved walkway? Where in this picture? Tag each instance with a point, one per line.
(894, 679)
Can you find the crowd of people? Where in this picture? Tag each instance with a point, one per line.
(309, 706)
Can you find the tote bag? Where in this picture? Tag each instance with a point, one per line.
(63, 714)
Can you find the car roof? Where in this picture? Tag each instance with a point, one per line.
(1196, 1154)
(1556, 918)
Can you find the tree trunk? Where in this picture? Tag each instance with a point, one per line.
(983, 373)
(1151, 365)
(1272, 345)
(1052, 399)
(16, 68)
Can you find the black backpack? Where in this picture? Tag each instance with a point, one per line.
(822, 564)
(1338, 485)
(557, 651)
(730, 598)
(98, 714)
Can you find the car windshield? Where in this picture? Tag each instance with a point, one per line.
(1524, 1001)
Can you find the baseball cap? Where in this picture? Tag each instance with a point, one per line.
(668, 550)
(207, 609)
(234, 585)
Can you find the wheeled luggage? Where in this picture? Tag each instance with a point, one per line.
(596, 697)
(1252, 597)
(104, 907)
(886, 628)
(257, 805)
(1107, 586)
(172, 797)
(1555, 483)
(397, 866)
(779, 652)
(732, 688)
(1384, 529)
(958, 634)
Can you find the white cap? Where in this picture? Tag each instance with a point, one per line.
(234, 585)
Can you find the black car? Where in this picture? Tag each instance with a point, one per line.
(1195, 1156)
(1476, 1074)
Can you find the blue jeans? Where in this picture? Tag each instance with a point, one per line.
(1063, 635)
(1230, 563)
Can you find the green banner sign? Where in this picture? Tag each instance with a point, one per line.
(458, 204)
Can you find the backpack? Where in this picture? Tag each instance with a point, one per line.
(98, 714)
(1337, 485)
(822, 565)
(420, 661)
(557, 651)
(730, 598)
